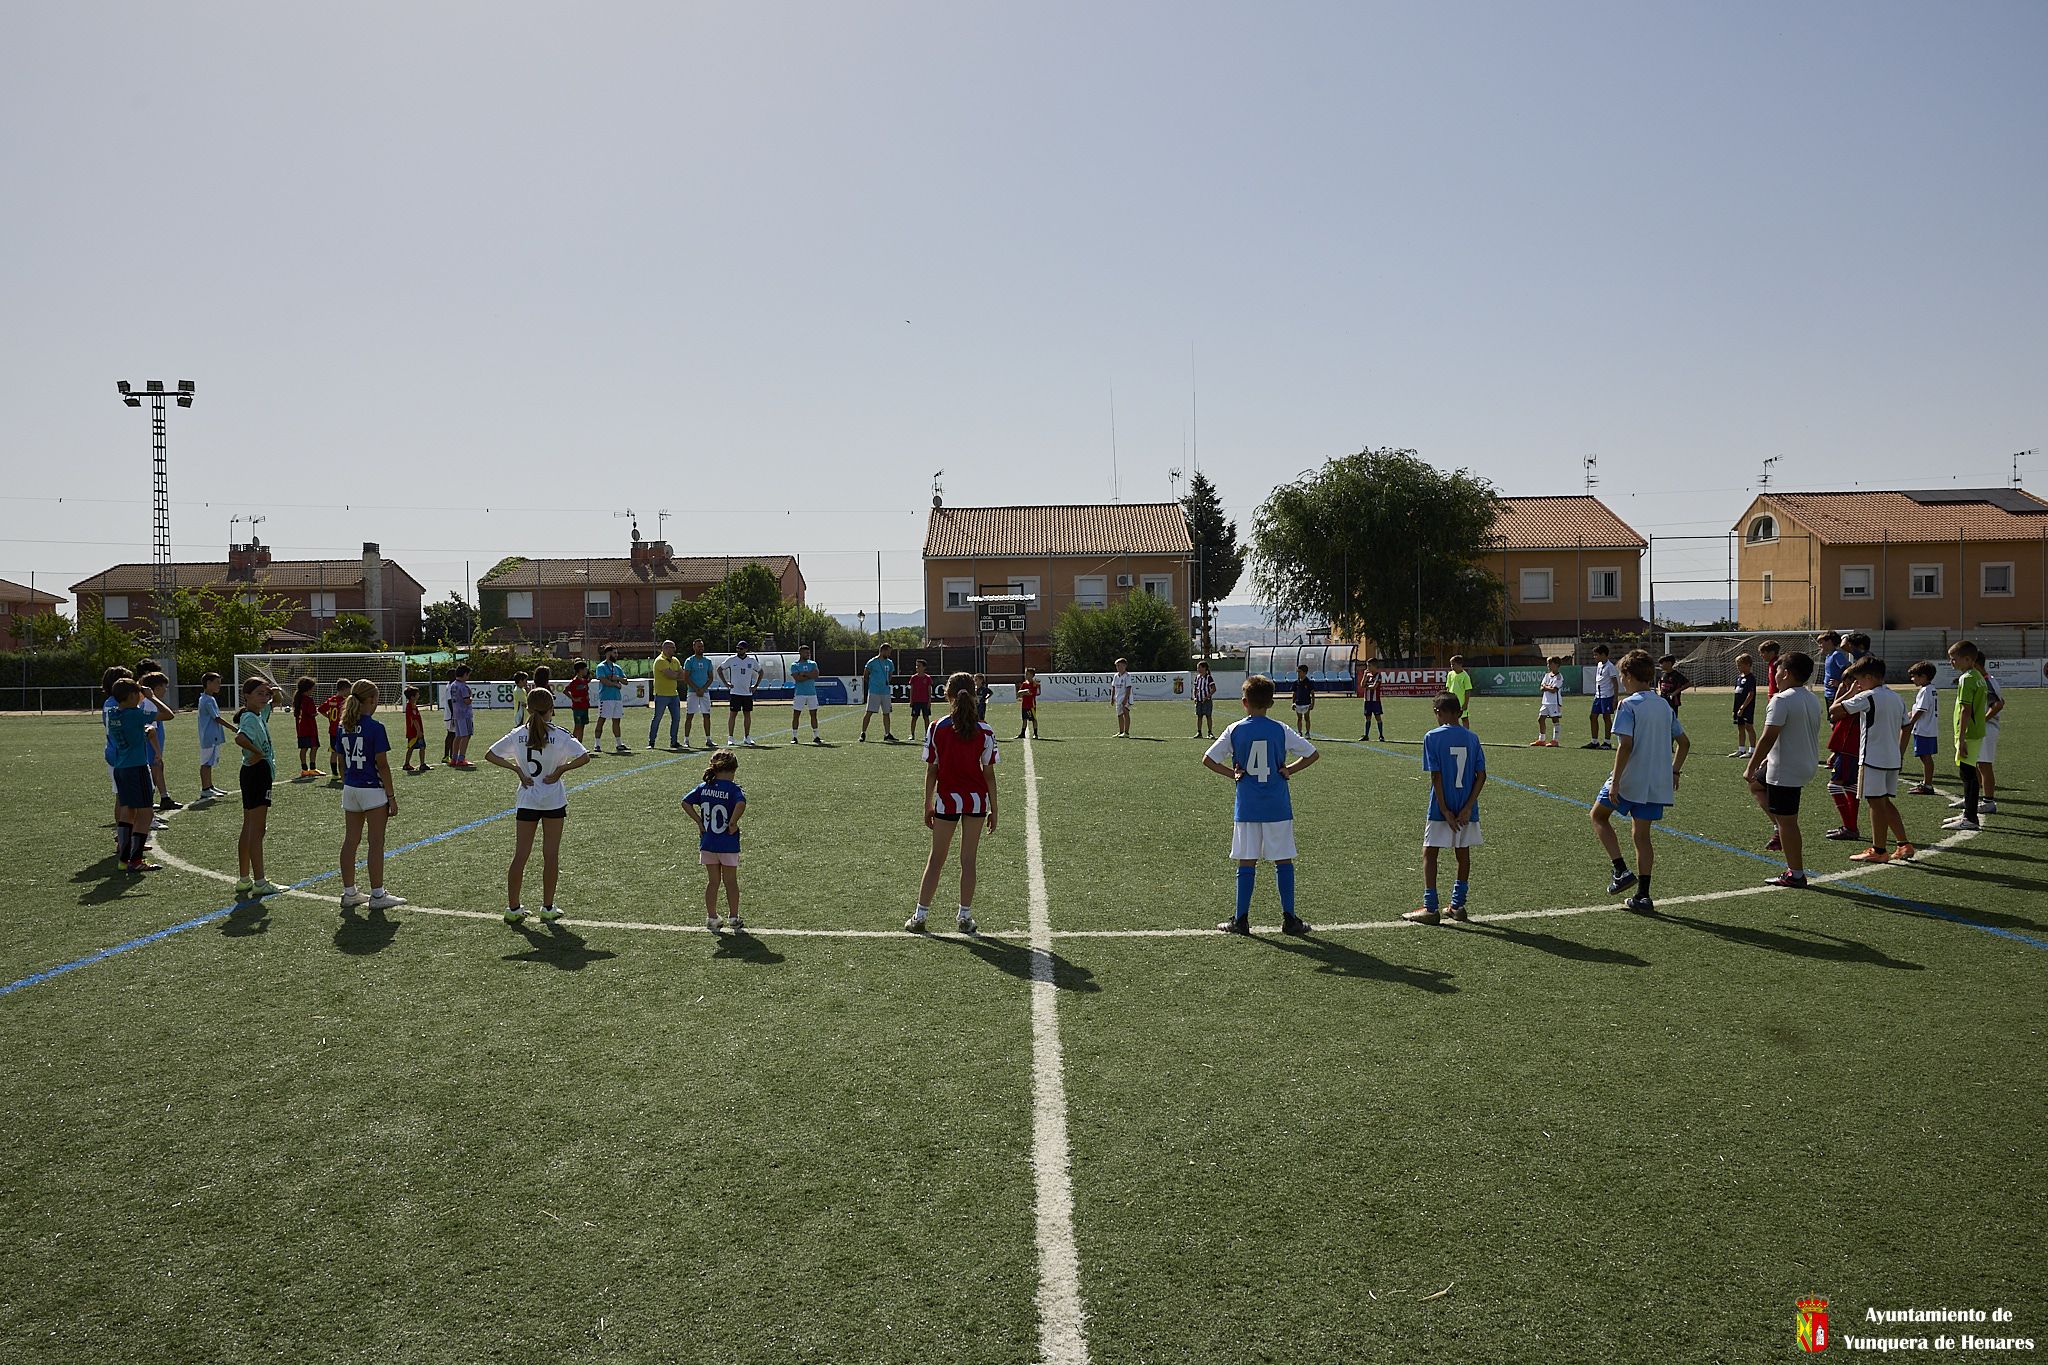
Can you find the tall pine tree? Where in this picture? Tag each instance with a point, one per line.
(1219, 559)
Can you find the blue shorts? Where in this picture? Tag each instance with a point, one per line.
(1373, 708)
(1634, 810)
(132, 787)
(1926, 746)
(1603, 706)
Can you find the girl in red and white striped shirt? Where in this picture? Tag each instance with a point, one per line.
(959, 790)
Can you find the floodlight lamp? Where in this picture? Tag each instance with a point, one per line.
(132, 401)
(121, 384)
(184, 400)
(185, 386)
(155, 386)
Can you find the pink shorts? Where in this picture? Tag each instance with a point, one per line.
(719, 859)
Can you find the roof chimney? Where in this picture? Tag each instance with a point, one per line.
(373, 586)
(244, 560)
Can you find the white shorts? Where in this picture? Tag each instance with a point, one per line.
(1551, 709)
(362, 798)
(1123, 708)
(1272, 840)
(1300, 710)
(880, 702)
(1878, 782)
(801, 703)
(697, 704)
(1987, 747)
(209, 756)
(1439, 834)
(615, 709)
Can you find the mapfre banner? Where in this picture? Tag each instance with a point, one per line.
(1411, 682)
(1095, 686)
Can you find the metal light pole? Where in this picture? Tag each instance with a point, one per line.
(160, 573)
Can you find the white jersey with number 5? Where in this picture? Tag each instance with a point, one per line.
(538, 763)
(1258, 746)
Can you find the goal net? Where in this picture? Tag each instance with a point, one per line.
(1707, 658)
(387, 670)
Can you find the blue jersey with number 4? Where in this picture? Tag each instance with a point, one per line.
(1258, 746)
(1453, 751)
(359, 749)
(714, 802)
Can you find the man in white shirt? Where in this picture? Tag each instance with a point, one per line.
(739, 674)
(1606, 680)
(1786, 757)
(1881, 717)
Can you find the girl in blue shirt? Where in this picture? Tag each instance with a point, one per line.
(716, 804)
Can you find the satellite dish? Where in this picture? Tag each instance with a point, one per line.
(938, 501)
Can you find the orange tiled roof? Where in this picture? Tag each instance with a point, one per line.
(11, 591)
(1139, 528)
(1866, 518)
(281, 573)
(1565, 521)
(621, 572)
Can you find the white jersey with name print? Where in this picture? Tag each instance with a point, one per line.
(1882, 715)
(741, 674)
(562, 747)
(1605, 678)
(1928, 704)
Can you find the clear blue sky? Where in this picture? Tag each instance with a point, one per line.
(770, 266)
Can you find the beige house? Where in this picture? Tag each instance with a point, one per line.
(1948, 558)
(1572, 568)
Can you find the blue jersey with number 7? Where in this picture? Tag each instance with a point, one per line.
(1258, 746)
(1453, 751)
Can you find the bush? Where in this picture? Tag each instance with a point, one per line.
(1142, 629)
(48, 668)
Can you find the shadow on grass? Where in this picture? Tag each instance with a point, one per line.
(1556, 946)
(741, 946)
(558, 948)
(1979, 882)
(248, 919)
(1018, 959)
(1808, 943)
(360, 936)
(110, 881)
(1972, 911)
(1339, 959)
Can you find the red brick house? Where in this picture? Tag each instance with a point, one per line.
(318, 589)
(596, 600)
(17, 605)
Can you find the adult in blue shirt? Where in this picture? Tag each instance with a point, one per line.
(880, 671)
(698, 671)
(803, 682)
(611, 700)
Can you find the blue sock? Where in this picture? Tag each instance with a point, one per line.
(1246, 877)
(1429, 898)
(1285, 872)
(1457, 895)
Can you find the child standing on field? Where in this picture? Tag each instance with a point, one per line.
(257, 777)
(1648, 763)
(1925, 721)
(1204, 690)
(578, 689)
(1369, 685)
(331, 708)
(305, 710)
(982, 692)
(1987, 747)
(1973, 699)
(132, 737)
(367, 796)
(461, 719)
(1456, 765)
(540, 752)
(1304, 698)
(716, 804)
(212, 735)
(921, 699)
(415, 730)
(1458, 683)
(1027, 702)
(1606, 681)
(960, 758)
(520, 687)
(1786, 757)
(1880, 718)
(158, 708)
(1550, 709)
(1260, 755)
(1122, 688)
(1671, 684)
(1745, 706)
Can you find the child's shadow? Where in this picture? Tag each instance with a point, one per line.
(1020, 959)
(1339, 960)
(741, 946)
(110, 878)
(360, 937)
(557, 947)
(1558, 947)
(1811, 943)
(249, 918)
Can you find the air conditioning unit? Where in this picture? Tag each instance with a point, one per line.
(1123, 580)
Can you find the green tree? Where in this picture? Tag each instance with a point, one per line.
(1385, 547)
(1219, 559)
(447, 623)
(106, 644)
(1141, 628)
(349, 634)
(49, 628)
(214, 626)
(747, 605)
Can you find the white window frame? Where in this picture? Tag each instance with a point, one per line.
(956, 592)
(1593, 577)
(518, 606)
(1869, 572)
(1750, 535)
(1030, 586)
(664, 598)
(1162, 582)
(115, 608)
(1913, 575)
(1091, 591)
(1984, 589)
(321, 605)
(593, 598)
(1770, 582)
(1549, 577)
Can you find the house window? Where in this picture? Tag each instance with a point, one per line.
(1856, 581)
(519, 606)
(664, 598)
(1997, 580)
(1159, 585)
(1926, 580)
(597, 602)
(1761, 530)
(1028, 586)
(1536, 585)
(1091, 592)
(114, 608)
(323, 604)
(1770, 581)
(1603, 585)
(958, 590)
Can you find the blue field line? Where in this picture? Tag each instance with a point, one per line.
(147, 939)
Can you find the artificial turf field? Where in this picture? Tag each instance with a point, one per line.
(284, 1133)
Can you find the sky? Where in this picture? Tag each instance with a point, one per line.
(473, 280)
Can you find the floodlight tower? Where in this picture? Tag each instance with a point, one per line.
(160, 576)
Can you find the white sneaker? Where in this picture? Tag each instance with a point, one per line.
(550, 913)
(158, 822)
(713, 923)
(515, 915)
(965, 922)
(916, 923)
(263, 886)
(351, 898)
(386, 901)
(1959, 822)
(1987, 808)
(1956, 804)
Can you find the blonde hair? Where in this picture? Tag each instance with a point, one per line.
(540, 714)
(960, 704)
(361, 697)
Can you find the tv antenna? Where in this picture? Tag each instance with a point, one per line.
(1591, 465)
(1763, 480)
(2019, 455)
(661, 524)
(938, 490)
(628, 514)
(1173, 477)
(252, 526)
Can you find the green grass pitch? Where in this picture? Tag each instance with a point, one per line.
(289, 1134)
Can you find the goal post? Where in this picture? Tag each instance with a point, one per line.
(386, 669)
(1707, 658)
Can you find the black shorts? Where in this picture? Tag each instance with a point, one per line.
(1782, 800)
(256, 779)
(921, 709)
(743, 705)
(531, 816)
(1746, 715)
(133, 788)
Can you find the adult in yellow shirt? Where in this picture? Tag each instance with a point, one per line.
(1972, 699)
(668, 675)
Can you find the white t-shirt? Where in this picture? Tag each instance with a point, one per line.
(1121, 685)
(561, 748)
(1992, 696)
(1553, 695)
(1883, 715)
(741, 674)
(1795, 754)
(1605, 676)
(1928, 705)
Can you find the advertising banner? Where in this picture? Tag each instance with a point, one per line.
(1412, 682)
(1095, 686)
(2013, 672)
(1519, 682)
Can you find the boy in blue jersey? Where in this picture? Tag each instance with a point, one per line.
(611, 702)
(135, 749)
(1255, 754)
(1457, 772)
(1644, 782)
(1835, 661)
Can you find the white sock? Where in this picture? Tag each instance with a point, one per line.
(967, 912)
(376, 890)
(348, 891)
(921, 911)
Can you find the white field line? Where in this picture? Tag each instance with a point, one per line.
(1061, 1340)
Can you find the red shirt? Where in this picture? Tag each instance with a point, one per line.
(579, 693)
(1369, 685)
(962, 788)
(413, 728)
(1771, 668)
(921, 689)
(331, 708)
(302, 712)
(1027, 693)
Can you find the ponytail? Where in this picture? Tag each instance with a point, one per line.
(723, 761)
(540, 713)
(960, 701)
(361, 697)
